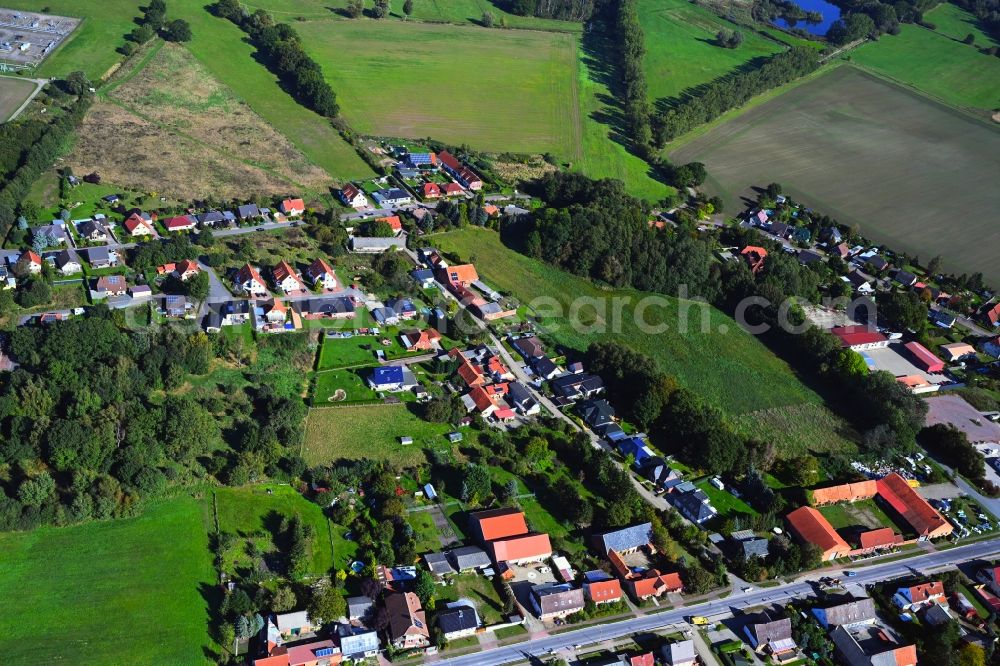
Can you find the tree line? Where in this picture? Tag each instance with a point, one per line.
(631, 49)
(565, 10)
(285, 56)
(713, 99)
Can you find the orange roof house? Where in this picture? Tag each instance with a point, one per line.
(420, 340)
(491, 210)
(498, 523)
(655, 584)
(138, 226)
(883, 537)
(470, 373)
(810, 526)
(461, 274)
(847, 492)
(755, 257)
(431, 191)
(392, 221)
(603, 591)
(521, 549)
(921, 516)
(293, 207)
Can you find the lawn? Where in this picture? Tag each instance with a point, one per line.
(944, 67)
(13, 92)
(373, 432)
(125, 591)
(438, 11)
(728, 505)
(680, 49)
(221, 47)
(890, 157)
(953, 21)
(728, 367)
(426, 533)
(250, 510)
(360, 350)
(477, 589)
(352, 383)
(511, 91)
(92, 45)
(865, 513)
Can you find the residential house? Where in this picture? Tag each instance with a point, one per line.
(693, 504)
(327, 307)
(831, 236)
(93, 231)
(182, 270)
(111, 285)
(528, 347)
(918, 596)
(991, 315)
(249, 282)
(544, 367)
(637, 447)
(424, 277)
(287, 279)
(992, 347)
(275, 313)
(211, 218)
(418, 160)
(360, 608)
(439, 564)
(138, 291)
(228, 313)
(292, 207)
(552, 600)
(754, 257)
(392, 378)
(522, 400)
(937, 615)
(357, 644)
(421, 340)
(407, 623)
(990, 576)
(32, 262)
(139, 225)
(431, 191)
(56, 233)
(800, 235)
(403, 307)
(68, 263)
(385, 316)
(596, 413)
(904, 278)
(942, 318)
(877, 263)
(451, 189)
(422, 215)
(810, 526)
(392, 197)
(102, 257)
(393, 221)
(807, 257)
(871, 645)
(957, 351)
(861, 282)
(7, 281)
(321, 275)
(180, 223)
(294, 624)
(575, 387)
(458, 622)
(654, 469)
(248, 212)
(460, 172)
(749, 544)
(772, 638)
(680, 653)
(840, 250)
(601, 588)
(652, 583)
(352, 196)
(175, 305)
(854, 613)
(313, 653)
(374, 245)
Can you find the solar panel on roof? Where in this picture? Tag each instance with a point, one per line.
(324, 652)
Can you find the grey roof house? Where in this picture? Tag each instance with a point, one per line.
(626, 539)
(358, 608)
(853, 613)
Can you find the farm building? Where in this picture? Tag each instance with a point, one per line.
(923, 358)
(809, 526)
(859, 338)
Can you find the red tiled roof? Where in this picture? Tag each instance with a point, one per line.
(482, 399)
(392, 221)
(905, 655)
(449, 160)
(178, 222)
(247, 273)
(134, 221)
(34, 258)
(319, 267)
(525, 546)
(306, 654)
(500, 523)
(657, 584)
(186, 266)
(461, 274)
(879, 538)
(284, 270)
(350, 190)
(289, 205)
(925, 591)
(857, 335)
(847, 492)
(993, 314)
(452, 188)
(810, 526)
(924, 357)
(504, 414)
(642, 660)
(605, 590)
(914, 509)
(432, 190)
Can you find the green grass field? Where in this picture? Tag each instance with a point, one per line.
(728, 505)
(479, 590)
(92, 45)
(865, 128)
(245, 511)
(451, 11)
(731, 369)
(370, 432)
(352, 382)
(937, 64)
(953, 21)
(494, 90)
(680, 53)
(801, 428)
(121, 592)
(13, 92)
(866, 514)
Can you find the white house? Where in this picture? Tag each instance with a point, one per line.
(249, 281)
(352, 196)
(321, 275)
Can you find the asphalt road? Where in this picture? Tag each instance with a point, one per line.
(721, 607)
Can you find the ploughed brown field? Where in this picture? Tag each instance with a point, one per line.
(910, 172)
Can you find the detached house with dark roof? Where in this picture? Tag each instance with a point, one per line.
(458, 622)
(249, 282)
(321, 275)
(552, 600)
(772, 638)
(248, 212)
(407, 623)
(352, 196)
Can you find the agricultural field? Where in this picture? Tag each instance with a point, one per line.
(889, 158)
(252, 512)
(124, 591)
(92, 46)
(438, 11)
(728, 367)
(680, 49)
(937, 64)
(13, 92)
(371, 432)
(512, 91)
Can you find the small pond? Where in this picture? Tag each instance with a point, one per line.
(830, 14)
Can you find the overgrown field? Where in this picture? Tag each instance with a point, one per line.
(495, 90)
(937, 63)
(181, 133)
(91, 47)
(800, 428)
(451, 11)
(250, 510)
(680, 46)
(13, 92)
(371, 432)
(127, 591)
(914, 174)
(727, 366)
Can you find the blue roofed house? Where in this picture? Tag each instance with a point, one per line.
(636, 447)
(392, 378)
(424, 277)
(392, 196)
(403, 307)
